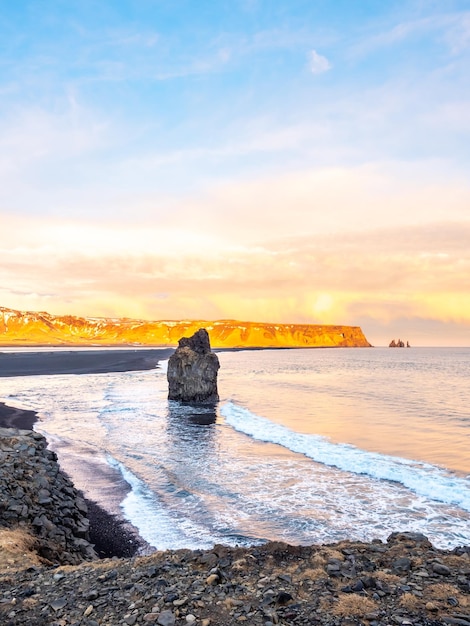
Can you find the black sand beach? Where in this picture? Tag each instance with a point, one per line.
(111, 535)
(80, 361)
(11, 417)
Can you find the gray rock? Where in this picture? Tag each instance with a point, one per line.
(58, 604)
(411, 537)
(439, 568)
(166, 618)
(402, 565)
(192, 370)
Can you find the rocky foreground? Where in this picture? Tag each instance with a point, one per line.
(404, 581)
(51, 575)
(36, 497)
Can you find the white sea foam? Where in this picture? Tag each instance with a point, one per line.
(195, 485)
(155, 525)
(424, 479)
(163, 366)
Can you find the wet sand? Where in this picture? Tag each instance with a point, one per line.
(11, 417)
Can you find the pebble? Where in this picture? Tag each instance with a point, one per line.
(150, 617)
(58, 604)
(166, 618)
(213, 579)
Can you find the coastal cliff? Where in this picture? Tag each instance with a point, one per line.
(25, 328)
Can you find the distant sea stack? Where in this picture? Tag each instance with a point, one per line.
(192, 370)
(25, 328)
(398, 344)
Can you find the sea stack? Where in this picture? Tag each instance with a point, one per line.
(192, 370)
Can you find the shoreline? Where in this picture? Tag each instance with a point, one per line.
(12, 417)
(404, 581)
(112, 534)
(71, 361)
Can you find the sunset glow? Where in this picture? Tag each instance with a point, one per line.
(287, 162)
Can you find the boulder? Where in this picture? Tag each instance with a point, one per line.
(192, 370)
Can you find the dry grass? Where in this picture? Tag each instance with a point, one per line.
(325, 604)
(353, 605)
(17, 549)
(313, 573)
(387, 578)
(442, 591)
(321, 558)
(410, 602)
(318, 561)
(290, 568)
(330, 553)
(434, 599)
(455, 561)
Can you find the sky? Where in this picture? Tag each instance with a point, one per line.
(288, 161)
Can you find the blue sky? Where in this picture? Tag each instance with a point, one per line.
(204, 147)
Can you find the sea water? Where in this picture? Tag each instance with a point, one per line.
(305, 446)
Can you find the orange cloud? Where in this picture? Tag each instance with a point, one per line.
(331, 246)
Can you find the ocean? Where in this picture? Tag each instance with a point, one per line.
(306, 446)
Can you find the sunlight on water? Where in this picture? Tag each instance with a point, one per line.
(273, 463)
(408, 403)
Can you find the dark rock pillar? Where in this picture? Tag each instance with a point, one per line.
(192, 370)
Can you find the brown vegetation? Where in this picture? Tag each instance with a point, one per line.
(353, 605)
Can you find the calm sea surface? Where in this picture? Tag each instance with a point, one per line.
(306, 446)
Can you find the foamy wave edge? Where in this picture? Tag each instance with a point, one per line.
(159, 530)
(424, 479)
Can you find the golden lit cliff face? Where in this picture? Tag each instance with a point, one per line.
(27, 328)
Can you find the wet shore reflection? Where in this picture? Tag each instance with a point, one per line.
(191, 428)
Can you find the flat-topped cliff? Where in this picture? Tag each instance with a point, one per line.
(26, 328)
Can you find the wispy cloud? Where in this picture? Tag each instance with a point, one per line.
(209, 63)
(319, 63)
(457, 35)
(453, 29)
(34, 133)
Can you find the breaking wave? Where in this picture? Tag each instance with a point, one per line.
(423, 479)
